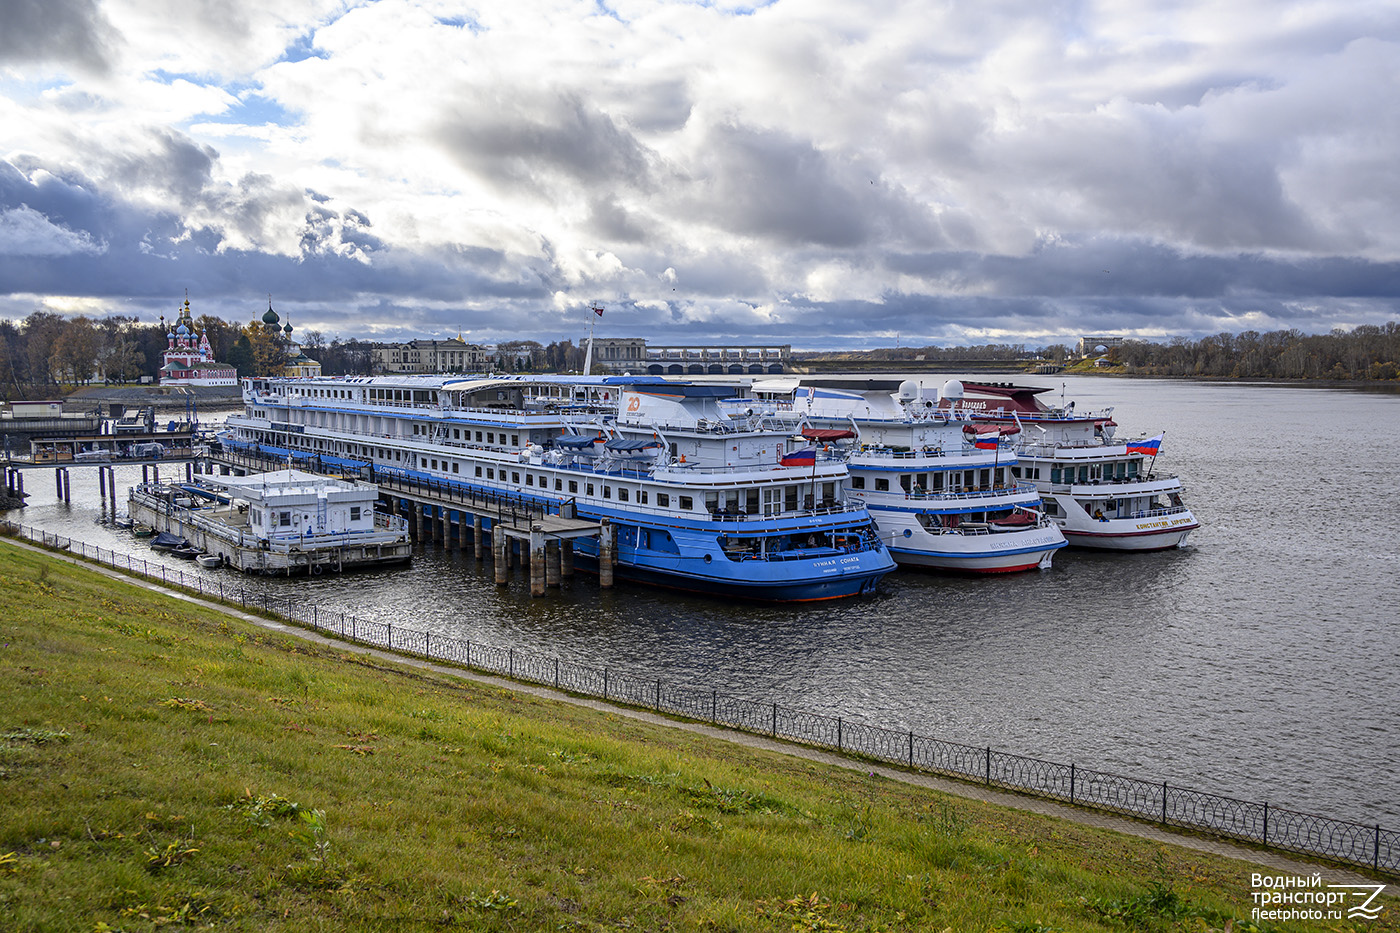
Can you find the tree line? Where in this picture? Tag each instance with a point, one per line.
(1368, 352)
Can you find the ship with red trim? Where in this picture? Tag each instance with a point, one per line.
(1103, 492)
(944, 495)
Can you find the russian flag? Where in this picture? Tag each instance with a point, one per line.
(1149, 446)
(806, 457)
(987, 441)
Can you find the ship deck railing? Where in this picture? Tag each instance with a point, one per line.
(1087, 487)
(1158, 513)
(995, 492)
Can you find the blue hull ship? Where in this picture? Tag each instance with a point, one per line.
(703, 500)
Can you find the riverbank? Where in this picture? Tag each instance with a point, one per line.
(169, 760)
(161, 398)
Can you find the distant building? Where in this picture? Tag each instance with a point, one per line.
(188, 360)
(731, 359)
(1089, 346)
(453, 355)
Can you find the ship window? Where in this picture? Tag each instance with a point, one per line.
(622, 494)
(529, 479)
(642, 497)
(790, 498)
(490, 473)
(686, 503)
(984, 478)
(663, 500)
(1016, 472)
(354, 513)
(515, 440)
(588, 490)
(284, 519)
(544, 482)
(478, 437)
(455, 466)
(751, 503)
(558, 485)
(607, 492)
(573, 486)
(490, 437)
(857, 482)
(906, 481)
(515, 478)
(882, 485)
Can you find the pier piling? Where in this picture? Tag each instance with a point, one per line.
(498, 558)
(551, 563)
(566, 559)
(476, 537)
(606, 547)
(537, 561)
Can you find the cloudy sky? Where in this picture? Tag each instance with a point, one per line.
(825, 173)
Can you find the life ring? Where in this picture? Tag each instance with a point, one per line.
(316, 569)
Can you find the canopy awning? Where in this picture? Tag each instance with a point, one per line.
(827, 434)
(575, 441)
(623, 445)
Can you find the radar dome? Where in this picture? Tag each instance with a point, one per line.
(952, 390)
(908, 390)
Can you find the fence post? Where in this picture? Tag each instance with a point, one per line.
(989, 764)
(469, 653)
(1376, 853)
(714, 707)
(315, 616)
(427, 644)
(838, 733)
(1266, 822)
(1071, 791)
(657, 705)
(556, 673)
(390, 627)
(605, 683)
(1164, 803)
(774, 730)
(911, 748)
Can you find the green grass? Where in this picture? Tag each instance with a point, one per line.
(164, 766)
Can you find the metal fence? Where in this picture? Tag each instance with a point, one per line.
(1158, 801)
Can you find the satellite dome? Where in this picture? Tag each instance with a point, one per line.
(908, 390)
(952, 390)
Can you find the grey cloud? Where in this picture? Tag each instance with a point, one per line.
(67, 32)
(774, 186)
(548, 139)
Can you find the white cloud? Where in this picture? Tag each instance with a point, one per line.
(25, 232)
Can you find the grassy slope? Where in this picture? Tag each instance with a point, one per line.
(145, 739)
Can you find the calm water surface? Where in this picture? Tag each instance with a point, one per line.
(1259, 662)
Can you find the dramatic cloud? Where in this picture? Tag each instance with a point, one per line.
(820, 173)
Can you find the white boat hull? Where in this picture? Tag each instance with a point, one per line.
(1002, 552)
(1155, 533)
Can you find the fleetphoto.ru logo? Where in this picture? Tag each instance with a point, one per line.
(1305, 897)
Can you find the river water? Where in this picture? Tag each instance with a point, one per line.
(1259, 662)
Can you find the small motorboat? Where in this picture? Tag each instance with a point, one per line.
(165, 541)
(142, 531)
(210, 561)
(186, 552)
(124, 522)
